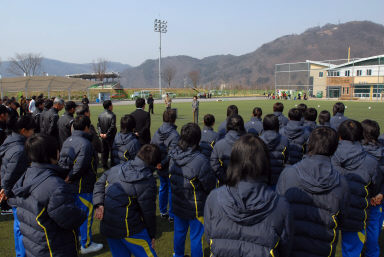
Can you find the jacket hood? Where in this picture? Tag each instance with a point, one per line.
(165, 130)
(123, 139)
(350, 154)
(232, 136)
(255, 119)
(309, 123)
(317, 174)
(79, 133)
(181, 157)
(375, 150)
(271, 139)
(249, 202)
(34, 176)
(277, 114)
(135, 170)
(326, 124)
(207, 128)
(12, 140)
(294, 129)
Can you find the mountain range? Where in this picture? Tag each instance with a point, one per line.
(255, 69)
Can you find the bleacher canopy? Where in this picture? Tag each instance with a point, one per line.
(44, 84)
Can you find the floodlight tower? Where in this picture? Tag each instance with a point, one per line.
(161, 28)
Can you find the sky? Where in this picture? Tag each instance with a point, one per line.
(81, 31)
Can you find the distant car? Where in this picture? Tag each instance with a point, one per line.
(142, 94)
(170, 94)
(201, 95)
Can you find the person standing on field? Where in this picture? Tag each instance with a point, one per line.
(150, 102)
(168, 101)
(195, 109)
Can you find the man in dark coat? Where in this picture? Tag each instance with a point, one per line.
(125, 201)
(318, 195)
(65, 122)
(48, 103)
(150, 102)
(222, 130)
(222, 150)
(12, 116)
(45, 203)
(297, 136)
(106, 126)
(51, 118)
(76, 157)
(143, 122)
(85, 100)
(36, 115)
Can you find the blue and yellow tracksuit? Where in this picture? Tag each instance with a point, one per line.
(191, 181)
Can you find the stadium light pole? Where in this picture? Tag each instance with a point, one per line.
(160, 26)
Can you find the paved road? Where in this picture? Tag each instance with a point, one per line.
(186, 100)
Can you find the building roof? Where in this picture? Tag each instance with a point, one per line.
(355, 62)
(325, 64)
(43, 83)
(106, 75)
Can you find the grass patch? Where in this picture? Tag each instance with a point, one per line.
(164, 244)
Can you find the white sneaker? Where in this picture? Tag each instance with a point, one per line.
(93, 247)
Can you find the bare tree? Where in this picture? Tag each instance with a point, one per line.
(169, 74)
(194, 76)
(28, 64)
(100, 67)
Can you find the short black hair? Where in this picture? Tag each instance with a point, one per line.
(70, 105)
(295, 114)
(39, 102)
(323, 141)
(169, 115)
(278, 107)
(3, 109)
(209, 120)
(371, 131)
(302, 107)
(351, 130)
(310, 114)
(190, 136)
(81, 122)
(127, 124)
(232, 110)
(150, 154)
(107, 104)
(82, 109)
(324, 117)
(236, 123)
(140, 102)
(249, 160)
(338, 107)
(34, 97)
(271, 122)
(41, 148)
(48, 103)
(24, 122)
(257, 112)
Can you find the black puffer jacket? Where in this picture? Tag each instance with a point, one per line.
(77, 158)
(254, 126)
(166, 138)
(41, 119)
(128, 194)
(377, 151)
(14, 161)
(107, 124)
(278, 146)
(336, 120)
(297, 136)
(64, 124)
(208, 141)
(191, 181)
(282, 119)
(318, 195)
(47, 212)
(248, 220)
(221, 154)
(124, 148)
(310, 125)
(13, 115)
(363, 176)
(36, 115)
(222, 130)
(50, 120)
(381, 139)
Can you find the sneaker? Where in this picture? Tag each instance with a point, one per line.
(6, 212)
(170, 220)
(93, 247)
(164, 215)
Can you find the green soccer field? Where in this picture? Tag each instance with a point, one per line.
(164, 243)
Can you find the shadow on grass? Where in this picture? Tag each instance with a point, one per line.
(6, 218)
(163, 225)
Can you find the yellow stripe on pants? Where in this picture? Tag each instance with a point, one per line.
(90, 211)
(142, 243)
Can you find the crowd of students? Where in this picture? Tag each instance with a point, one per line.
(274, 186)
